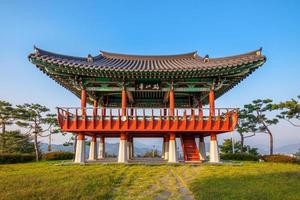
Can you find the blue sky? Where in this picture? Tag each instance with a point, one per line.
(217, 28)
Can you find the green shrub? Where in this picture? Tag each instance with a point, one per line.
(58, 155)
(279, 158)
(6, 158)
(239, 156)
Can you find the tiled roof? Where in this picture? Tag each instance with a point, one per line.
(69, 70)
(112, 62)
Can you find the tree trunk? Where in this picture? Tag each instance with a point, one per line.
(49, 144)
(2, 149)
(242, 141)
(271, 143)
(75, 144)
(35, 142)
(36, 147)
(271, 137)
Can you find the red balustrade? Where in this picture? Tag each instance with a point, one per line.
(147, 120)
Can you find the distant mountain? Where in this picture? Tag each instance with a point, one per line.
(288, 149)
(141, 149)
(55, 147)
(110, 148)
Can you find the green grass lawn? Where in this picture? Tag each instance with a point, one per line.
(47, 180)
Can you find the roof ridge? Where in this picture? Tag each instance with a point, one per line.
(108, 55)
(148, 57)
(257, 52)
(49, 53)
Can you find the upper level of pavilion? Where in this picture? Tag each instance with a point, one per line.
(148, 79)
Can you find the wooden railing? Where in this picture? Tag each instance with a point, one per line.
(146, 119)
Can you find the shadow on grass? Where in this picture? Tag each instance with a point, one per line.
(281, 185)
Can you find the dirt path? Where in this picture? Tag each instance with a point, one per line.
(174, 187)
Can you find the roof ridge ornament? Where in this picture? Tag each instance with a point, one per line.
(90, 58)
(258, 52)
(206, 58)
(36, 50)
(111, 55)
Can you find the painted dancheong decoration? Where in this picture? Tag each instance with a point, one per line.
(147, 96)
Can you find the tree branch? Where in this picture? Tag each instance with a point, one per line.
(296, 125)
(249, 135)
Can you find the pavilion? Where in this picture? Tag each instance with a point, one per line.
(135, 96)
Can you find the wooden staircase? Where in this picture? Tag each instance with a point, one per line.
(189, 148)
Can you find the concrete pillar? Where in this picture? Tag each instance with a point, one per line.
(172, 149)
(128, 147)
(132, 148)
(202, 151)
(101, 148)
(80, 149)
(122, 158)
(93, 148)
(166, 157)
(163, 148)
(214, 156)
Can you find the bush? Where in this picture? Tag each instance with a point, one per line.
(239, 156)
(58, 155)
(279, 158)
(7, 158)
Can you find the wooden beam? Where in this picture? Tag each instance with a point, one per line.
(166, 97)
(188, 89)
(130, 97)
(124, 103)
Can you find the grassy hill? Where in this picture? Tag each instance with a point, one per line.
(50, 180)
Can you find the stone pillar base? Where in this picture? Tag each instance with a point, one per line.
(163, 149)
(166, 157)
(101, 148)
(202, 150)
(128, 149)
(93, 150)
(172, 150)
(214, 156)
(132, 148)
(122, 158)
(80, 150)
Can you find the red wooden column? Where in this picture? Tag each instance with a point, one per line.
(200, 105)
(172, 102)
(123, 101)
(212, 103)
(103, 111)
(95, 107)
(165, 112)
(83, 101)
(131, 112)
(213, 136)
